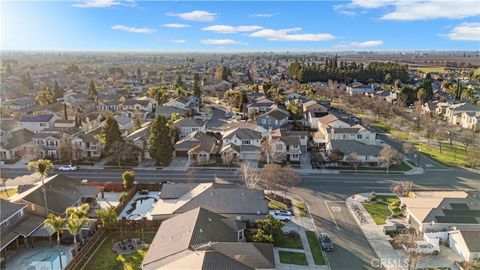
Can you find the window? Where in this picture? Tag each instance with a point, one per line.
(359, 136)
(279, 147)
(344, 136)
(240, 235)
(20, 213)
(6, 222)
(245, 142)
(264, 121)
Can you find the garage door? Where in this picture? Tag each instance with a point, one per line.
(181, 154)
(249, 156)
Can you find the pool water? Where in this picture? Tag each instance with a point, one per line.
(139, 206)
(46, 260)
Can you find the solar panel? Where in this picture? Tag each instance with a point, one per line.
(459, 206)
(461, 213)
(452, 219)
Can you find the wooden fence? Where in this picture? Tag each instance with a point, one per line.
(88, 249)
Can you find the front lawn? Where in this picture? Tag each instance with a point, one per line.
(454, 155)
(104, 258)
(289, 240)
(10, 191)
(379, 209)
(393, 132)
(296, 258)
(315, 248)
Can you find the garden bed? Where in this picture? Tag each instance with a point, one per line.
(278, 201)
(379, 209)
(296, 258)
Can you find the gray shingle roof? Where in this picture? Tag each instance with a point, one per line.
(351, 146)
(243, 134)
(254, 255)
(472, 239)
(19, 137)
(189, 122)
(36, 118)
(9, 209)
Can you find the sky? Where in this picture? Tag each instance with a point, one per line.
(129, 25)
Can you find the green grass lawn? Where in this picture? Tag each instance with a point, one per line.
(275, 205)
(302, 209)
(10, 191)
(454, 156)
(315, 248)
(379, 209)
(393, 132)
(402, 167)
(289, 240)
(104, 258)
(296, 258)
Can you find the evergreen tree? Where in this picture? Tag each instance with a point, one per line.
(92, 90)
(57, 91)
(110, 133)
(196, 85)
(161, 146)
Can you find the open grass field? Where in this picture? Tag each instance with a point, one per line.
(453, 156)
(393, 132)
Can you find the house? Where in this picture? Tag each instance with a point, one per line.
(243, 143)
(470, 120)
(47, 145)
(259, 105)
(365, 153)
(434, 107)
(357, 88)
(189, 125)
(167, 111)
(312, 111)
(18, 104)
(273, 119)
(441, 210)
(185, 103)
(466, 243)
(62, 123)
(37, 123)
(203, 239)
(228, 200)
(16, 144)
(61, 192)
(86, 146)
(138, 105)
(16, 226)
(8, 125)
(288, 145)
(140, 138)
(198, 147)
(453, 113)
(111, 105)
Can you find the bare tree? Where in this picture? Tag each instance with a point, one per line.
(191, 174)
(467, 138)
(389, 157)
(401, 188)
(289, 178)
(408, 148)
(354, 159)
(249, 175)
(269, 153)
(270, 175)
(473, 156)
(408, 241)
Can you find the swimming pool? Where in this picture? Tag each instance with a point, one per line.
(46, 260)
(139, 206)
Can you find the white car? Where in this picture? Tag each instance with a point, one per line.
(68, 168)
(282, 215)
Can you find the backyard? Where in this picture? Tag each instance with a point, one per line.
(379, 208)
(104, 258)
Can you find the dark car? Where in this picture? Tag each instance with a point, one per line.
(326, 242)
(395, 229)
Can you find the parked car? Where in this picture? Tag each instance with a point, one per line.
(68, 168)
(228, 114)
(422, 247)
(326, 242)
(282, 215)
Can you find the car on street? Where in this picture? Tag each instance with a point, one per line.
(326, 242)
(68, 168)
(282, 215)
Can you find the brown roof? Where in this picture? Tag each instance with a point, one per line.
(327, 119)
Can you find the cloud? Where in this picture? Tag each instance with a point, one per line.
(411, 10)
(133, 29)
(264, 15)
(465, 31)
(225, 29)
(221, 42)
(175, 25)
(178, 41)
(196, 15)
(102, 3)
(285, 35)
(360, 45)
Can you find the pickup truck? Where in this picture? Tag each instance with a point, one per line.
(395, 229)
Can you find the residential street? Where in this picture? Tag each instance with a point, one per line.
(324, 193)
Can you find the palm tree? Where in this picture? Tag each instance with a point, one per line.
(56, 223)
(43, 167)
(74, 225)
(78, 211)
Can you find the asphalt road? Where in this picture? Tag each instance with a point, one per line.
(324, 193)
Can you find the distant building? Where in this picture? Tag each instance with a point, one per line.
(37, 123)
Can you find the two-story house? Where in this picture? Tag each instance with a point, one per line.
(86, 146)
(185, 103)
(140, 138)
(288, 145)
(47, 145)
(357, 88)
(16, 144)
(188, 125)
(453, 113)
(273, 119)
(37, 123)
(470, 120)
(242, 143)
(198, 147)
(259, 105)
